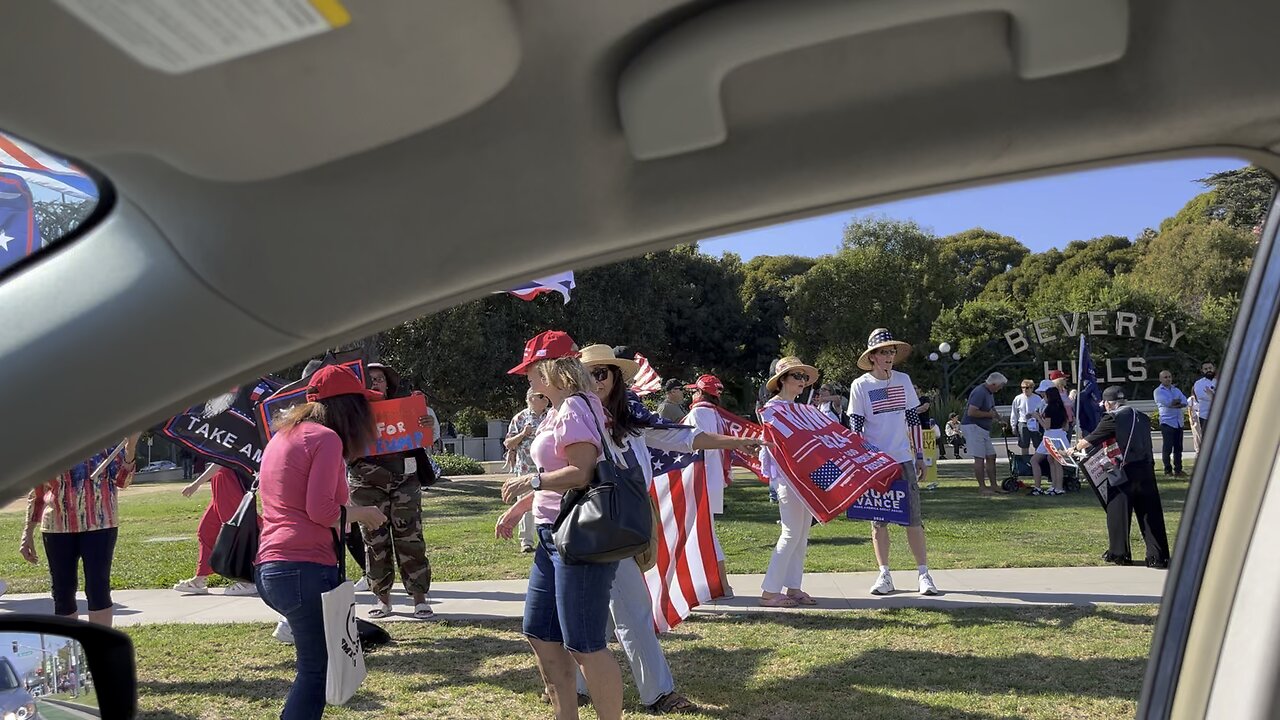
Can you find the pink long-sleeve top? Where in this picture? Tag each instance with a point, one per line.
(303, 485)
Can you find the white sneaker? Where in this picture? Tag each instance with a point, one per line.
(926, 585)
(362, 585)
(240, 589)
(283, 633)
(191, 587)
(884, 584)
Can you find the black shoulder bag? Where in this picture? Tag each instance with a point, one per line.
(236, 549)
(611, 518)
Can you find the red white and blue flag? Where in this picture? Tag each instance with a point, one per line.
(828, 465)
(686, 573)
(19, 236)
(646, 381)
(38, 167)
(561, 283)
(887, 399)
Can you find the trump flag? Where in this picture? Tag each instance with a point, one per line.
(829, 466)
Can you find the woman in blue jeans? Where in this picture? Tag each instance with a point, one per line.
(566, 608)
(303, 484)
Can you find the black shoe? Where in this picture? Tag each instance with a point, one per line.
(1179, 473)
(1158, 564)
(1116, 559)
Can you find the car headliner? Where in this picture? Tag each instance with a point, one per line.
(273, 205)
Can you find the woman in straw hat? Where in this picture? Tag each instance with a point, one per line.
(781, 586)
(883, 406)
(635, 430)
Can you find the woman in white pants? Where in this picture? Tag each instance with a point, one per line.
(630, 607)
(781, 586)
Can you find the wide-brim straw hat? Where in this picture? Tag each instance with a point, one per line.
(599, 354)
(881, 337)
(790, 364)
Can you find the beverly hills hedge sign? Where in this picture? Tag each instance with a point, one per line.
(1066, 327)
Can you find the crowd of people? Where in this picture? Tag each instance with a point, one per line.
(320, 498)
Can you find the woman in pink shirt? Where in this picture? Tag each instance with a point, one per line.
(303, 485)
(566, 608)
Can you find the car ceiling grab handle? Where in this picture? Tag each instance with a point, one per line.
(669, 94)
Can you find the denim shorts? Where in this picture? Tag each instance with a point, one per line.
(567, 604)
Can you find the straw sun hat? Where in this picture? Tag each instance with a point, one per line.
(791, 364)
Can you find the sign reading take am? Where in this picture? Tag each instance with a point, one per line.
(1120, 324)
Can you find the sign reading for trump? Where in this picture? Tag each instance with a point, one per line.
(829, 467)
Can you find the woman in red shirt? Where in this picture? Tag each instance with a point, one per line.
(303, 485)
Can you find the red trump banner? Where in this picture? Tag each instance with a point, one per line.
(829, 466)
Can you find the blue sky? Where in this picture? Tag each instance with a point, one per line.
(1042, 213)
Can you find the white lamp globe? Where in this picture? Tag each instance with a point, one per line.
(944, 347)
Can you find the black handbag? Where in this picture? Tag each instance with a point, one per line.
(611, 518)
(236, 549)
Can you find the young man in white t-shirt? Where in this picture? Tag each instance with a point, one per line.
(882, 407)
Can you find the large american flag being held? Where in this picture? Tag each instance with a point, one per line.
(686, 573)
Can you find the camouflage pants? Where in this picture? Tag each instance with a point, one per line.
(400, 499)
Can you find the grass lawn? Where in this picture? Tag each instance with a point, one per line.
(965, 664)
(157, 545)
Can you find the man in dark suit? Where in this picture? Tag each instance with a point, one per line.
(1136, 493)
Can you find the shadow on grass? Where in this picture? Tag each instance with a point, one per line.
(252, 690)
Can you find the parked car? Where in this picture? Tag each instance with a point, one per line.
(158, 466)
(15, 701)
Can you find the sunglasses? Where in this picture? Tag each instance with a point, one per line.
(887, 351)
(1028, 387)
(538, 396)
(601, 373)
(802, 377)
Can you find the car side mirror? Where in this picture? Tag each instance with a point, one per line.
(59, 667)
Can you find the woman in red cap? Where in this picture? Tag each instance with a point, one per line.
(303, 484)
(566, 607)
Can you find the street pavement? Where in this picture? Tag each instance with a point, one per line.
(504, 599)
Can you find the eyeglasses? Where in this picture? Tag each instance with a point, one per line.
(601, 373)
(802, 377)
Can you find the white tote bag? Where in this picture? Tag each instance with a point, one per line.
(341, 636)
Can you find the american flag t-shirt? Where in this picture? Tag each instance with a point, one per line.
(887, 399)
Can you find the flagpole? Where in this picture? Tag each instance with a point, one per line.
(1080, 383)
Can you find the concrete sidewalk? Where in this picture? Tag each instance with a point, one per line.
(501, 599)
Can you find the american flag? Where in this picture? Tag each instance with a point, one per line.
(38, 167)
(686, 573)
(560, 283)
(826, 475)
(887, 399)
(646, 381)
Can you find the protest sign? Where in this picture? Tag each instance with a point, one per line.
(731, 424)
(398, 426)
(891, 506)
(828, 465)
(224, 429)
(270, 409)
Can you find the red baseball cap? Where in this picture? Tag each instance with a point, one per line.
(550, 345)
(1056, 374)
(709, 384)
(334, 380)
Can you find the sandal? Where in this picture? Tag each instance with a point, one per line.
(380, 610)
(423, 611)
(672, 702)
(801, 597)
(778, 601)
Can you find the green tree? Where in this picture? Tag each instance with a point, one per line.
(888, 273)
(1240, 197)
(768, 282)
(977, 256)
(1193, 262)
(56, 220)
